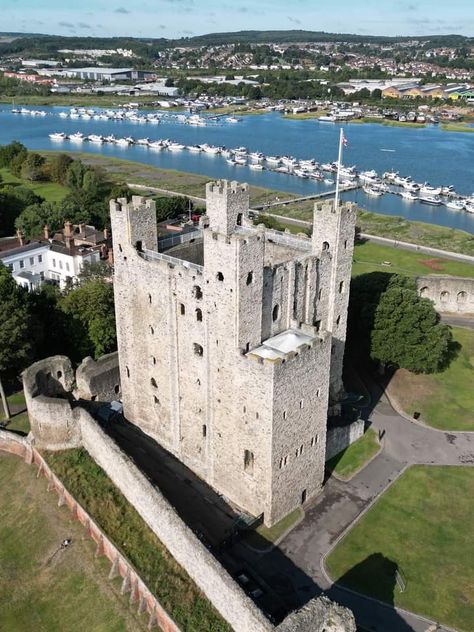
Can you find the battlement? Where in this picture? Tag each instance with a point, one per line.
(224, 187)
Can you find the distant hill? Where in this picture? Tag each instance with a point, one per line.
(15, 43)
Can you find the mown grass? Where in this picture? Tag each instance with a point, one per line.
(395, 227)
(50, 191)
(370, 257)
(419, 527)
(353, 458)
(174, 588)
(445, 400)
(65, 592)
(92, 100)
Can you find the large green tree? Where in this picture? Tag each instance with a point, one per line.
(15, 326)
(90, 308)
(390, 323)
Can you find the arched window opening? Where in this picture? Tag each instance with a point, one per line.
(461, 297)
(59, 375)
(325, 245)
(249, 278)
(199, 315)
(219, 276)
(153, 382)
(341, 287)
(248, 461)
(182, 309)
(197, 292)
(275, 313)
(239, 219)
(444, 297)
(424, 291)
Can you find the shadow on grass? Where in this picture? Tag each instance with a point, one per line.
(378, 577)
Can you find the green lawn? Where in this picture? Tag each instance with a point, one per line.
(113, 513)
(349, 461)
(445, 400)
(50, 191)
(422, 527)
(64, 593)
(19, 421)
(370, 257)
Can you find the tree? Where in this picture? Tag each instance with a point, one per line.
(58, 167)
(15, 326)
(95, 270)
(8, 152)
(32, 167)
(33, 218)
(91, 310)
(407, 332)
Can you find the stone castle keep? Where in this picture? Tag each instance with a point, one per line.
(231, 343)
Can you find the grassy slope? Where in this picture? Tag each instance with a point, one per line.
(369, 257)
(445, 400)
(50, 191)
(421, 524)
(174, 588)
(65, 594)
(353, 458)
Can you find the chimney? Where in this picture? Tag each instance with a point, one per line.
(106, 233)
(82, 229)
(69, 241)
(20, 236)
(46, 231)
(67, 229)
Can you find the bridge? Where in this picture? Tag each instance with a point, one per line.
(304, 198)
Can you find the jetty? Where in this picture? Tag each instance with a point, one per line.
(305, 198)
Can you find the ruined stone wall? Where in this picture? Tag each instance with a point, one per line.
(225, 594)
(449, 294)
(99, 379)
(47, 385)
(340, 437)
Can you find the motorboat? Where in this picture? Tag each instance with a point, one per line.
(143, 141)
(241, 162)
(257, 155)
(77, 137)
(194, 148)
(429, 190)
(456, 205)
(411, 186)
(409, 196)
(372, 191)
(156, 144)
(175, 147)
(58, 136)
(433, 200)
(63, 115)
(256, 167)
(232, 119)
(122, 142)
(94, 138)
(327, 118)
(241, 151)
(273, 160)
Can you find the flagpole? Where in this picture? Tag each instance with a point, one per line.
(339, 160)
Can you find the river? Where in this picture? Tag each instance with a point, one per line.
(427, 154)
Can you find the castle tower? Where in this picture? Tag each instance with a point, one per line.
(333, 242)
(227, 205)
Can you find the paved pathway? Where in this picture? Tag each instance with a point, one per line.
(405, 443)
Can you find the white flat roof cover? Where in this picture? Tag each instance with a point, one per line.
(281, 344)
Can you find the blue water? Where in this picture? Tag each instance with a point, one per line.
(427, 154)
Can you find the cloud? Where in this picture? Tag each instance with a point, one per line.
(121, 10)
(67, 25)
(84, 25)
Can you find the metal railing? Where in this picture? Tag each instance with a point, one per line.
(151, 255)
(181, 238)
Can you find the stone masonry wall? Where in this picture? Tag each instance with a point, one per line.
(226, 595)
(341, 437)
(99, 379)
(449, 294)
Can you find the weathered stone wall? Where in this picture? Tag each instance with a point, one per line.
(449, 294)
(319, 615)
(341, 437)
(226, 595)
(47, 385)
(99, 379)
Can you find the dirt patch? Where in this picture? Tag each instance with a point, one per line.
(433, 264)
(406, 389)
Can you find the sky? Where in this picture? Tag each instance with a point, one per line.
(181, 18)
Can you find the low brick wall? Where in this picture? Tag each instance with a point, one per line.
(132, 583)
(341, 437)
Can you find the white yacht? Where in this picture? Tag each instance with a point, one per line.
(95, 138)
(58, 136)
(143, 141)
(327, 118)
(195, 149)
(157, 144)
(273, 160)
(123, 142)
(232, 119)
(427, 189)
(372, 191)
(256, 166)
(433, 200)
(175, 147)
(78, 137)
(409, 196)
(456, 205)
(63, 115)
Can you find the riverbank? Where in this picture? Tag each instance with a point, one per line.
(184, 183)
(81, 100)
